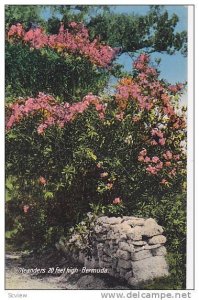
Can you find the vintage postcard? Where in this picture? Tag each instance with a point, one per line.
(99, 103)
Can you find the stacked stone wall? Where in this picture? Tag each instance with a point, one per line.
(130, 248)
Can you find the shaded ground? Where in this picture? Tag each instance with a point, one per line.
(15, 279)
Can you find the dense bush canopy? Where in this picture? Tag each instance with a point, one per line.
(70, 146)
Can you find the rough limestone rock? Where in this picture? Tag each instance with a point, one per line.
(139, 243)
(148, 269)
(125, 264)
(158, 239)
(141, 255)
(134, 221)
(123, 254)
(161, 251)
(128, 248)
(136, 234)
(151, 228)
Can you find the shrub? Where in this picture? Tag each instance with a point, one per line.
(64, 154)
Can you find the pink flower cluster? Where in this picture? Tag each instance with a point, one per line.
(175, 88)
(132, 91)
(155, 165)
(171, 160)
(158, 137)
(42, 180)
(26, 208)
(142, 64)
(75, 40)
(53, 113)
(146, 89)
(117, 200)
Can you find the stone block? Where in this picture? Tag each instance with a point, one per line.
(122, 272)
(91, 263)
(126, 247)
(139, 243)
(121, 228)
(136, 234)
(135, 222)
(81, 257)
(158, 239)
(102, 228)
(123, 254)
(128, 275)
(161, 251)
(151, 228)
(102, 220)
(113, 220)
(149, 247)
(113, 236)
(141, 255)
(108, 251)
(126, 264)
(104, 264)
(148, 269)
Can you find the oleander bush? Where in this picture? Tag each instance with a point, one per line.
(70, 146)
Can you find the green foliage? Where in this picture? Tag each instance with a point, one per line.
(115, 210)
(154, 31)
(22, 14)
(70, 78)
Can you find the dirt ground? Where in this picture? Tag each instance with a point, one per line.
(16, 279)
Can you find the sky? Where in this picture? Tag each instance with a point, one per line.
(173, 67)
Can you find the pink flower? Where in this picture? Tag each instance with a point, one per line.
(143, 152)
(119, 116)
(175, 88)
(144, 58)
(162, 141)
(140, 158)
(165, 182)
(99, 165)
(53, 113)
(176, 157)
(109, 185)
(154, 143)
(173, 172)
(26, 208)
(117, 200)
(157, 132)
(101, 116)
(42, 180)
(167, 163)
(155, 159)
(165, 98)
(168, 155)
(148, 106)
(147, 159)
(135, 119)
(151, 170)
(73, 24)
(69, 40)
(41, 128)
(159, 166)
